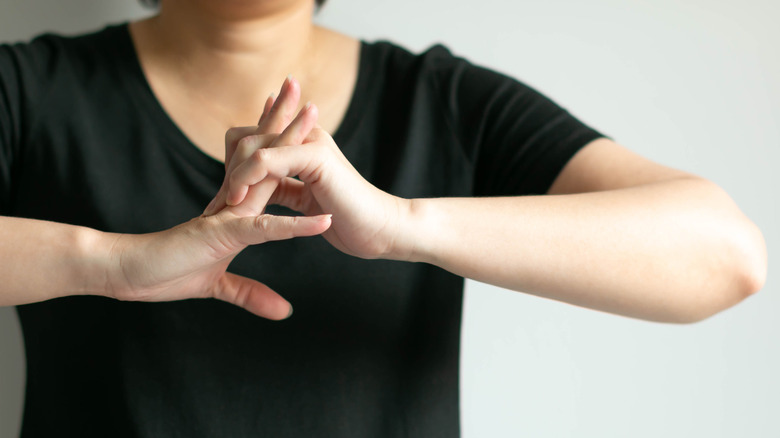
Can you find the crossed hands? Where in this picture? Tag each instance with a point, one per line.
(261, 166)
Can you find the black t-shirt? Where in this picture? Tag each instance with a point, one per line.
(373, 347)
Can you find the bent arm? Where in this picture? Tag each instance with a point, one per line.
(620, 234)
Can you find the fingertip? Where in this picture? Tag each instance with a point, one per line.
(295, 90)
(312, 225)
(312, 110)
(289, 314)
(269, 103)
(210, 207)
(233, 199)
(324, 221)
(292, 80)
(277, 315)
(288, 94)
(285, 88)
(217, 209)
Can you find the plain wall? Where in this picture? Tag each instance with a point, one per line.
(691, 84)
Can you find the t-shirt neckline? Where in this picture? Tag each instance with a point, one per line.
(163, 120)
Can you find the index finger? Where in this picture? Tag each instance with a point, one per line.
(233, 136)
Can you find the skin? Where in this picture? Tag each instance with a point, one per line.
(618, 233)
(202, 59)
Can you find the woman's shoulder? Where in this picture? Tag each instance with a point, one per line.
(434, 55)
(436, 63)
(48, 44)
(51, 54)
(36, 76)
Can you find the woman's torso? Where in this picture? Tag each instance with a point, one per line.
(373, 347)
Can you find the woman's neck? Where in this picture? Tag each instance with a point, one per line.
(218, 28)
(212, 63)
(222, 46)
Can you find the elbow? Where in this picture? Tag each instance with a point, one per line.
(742, 274)
(753, 277)
(753, 280)
(751, 264)
(742, 288)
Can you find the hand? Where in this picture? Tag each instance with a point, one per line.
(189, 260)
(241, 142)
(366, 221)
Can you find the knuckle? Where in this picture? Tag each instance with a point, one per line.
(246, 145)
(236, 133)
(318, 133)
(231, 135)
(263, 223)
(321, 151)
(261, 155)
(242, 295)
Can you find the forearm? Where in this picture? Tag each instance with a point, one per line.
(43, 260)
(670, 251)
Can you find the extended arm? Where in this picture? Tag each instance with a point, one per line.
(42, 260)
(621, 234)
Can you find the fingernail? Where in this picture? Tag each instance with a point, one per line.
(307, 106)
(289, 77)
(291, 312)
(272, 95)
(210, 206)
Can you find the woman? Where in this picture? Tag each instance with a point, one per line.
(122, 132)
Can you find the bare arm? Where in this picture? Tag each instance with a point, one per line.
(42, 260)
(622, 235)
(617, 232)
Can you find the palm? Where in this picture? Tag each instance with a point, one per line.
(190, 261)
(359, 227)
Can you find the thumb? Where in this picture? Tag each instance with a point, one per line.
(252, 296)
(266, 227)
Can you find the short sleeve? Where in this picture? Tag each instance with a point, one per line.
(23, 68)
(519, 140)
(9, 121)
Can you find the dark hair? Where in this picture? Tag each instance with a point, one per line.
(155, 3)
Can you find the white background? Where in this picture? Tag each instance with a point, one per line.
(691, 84)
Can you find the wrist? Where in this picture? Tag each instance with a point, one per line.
(96, 251)
(415, 240)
